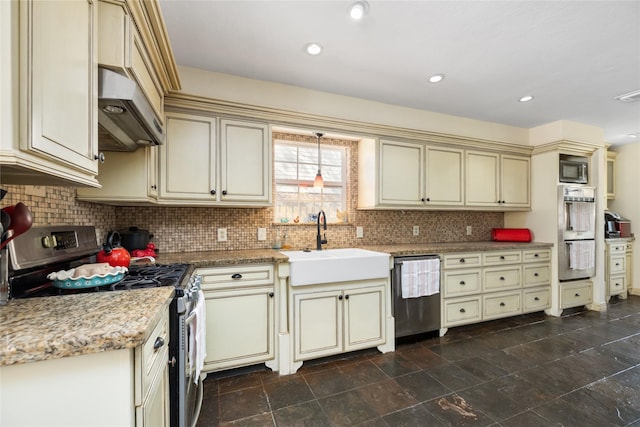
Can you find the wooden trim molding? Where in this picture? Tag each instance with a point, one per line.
(180, 102)
(147, 17)
(569, 147)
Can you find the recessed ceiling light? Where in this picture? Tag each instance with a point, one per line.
(313, 48)
(358, 9)
(436, 78)
(526, 98)
(633, 135)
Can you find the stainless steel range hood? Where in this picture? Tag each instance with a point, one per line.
(125, 117)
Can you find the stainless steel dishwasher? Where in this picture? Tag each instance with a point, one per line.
(413, 315)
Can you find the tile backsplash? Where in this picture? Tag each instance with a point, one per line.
(180, 229)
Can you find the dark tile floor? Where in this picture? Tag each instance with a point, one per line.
(533, 370)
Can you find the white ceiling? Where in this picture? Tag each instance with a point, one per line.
(574, 57)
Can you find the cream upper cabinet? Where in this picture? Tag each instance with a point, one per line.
(245, 161)
(410, 174)
(188, 158)
(126, 178)
(215, 161)
(497, 180)
(445, 176)
(120, 48)
(57, 97)
(401, 173)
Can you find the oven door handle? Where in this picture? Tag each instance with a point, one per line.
(190, 318)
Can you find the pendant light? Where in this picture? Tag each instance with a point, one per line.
(318, 182)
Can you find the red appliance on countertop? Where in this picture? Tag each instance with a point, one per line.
(511, 235)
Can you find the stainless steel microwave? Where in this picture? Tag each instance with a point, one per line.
(574, 169)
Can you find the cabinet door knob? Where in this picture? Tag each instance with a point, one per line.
(462, 310)
(501, 304)
(237, 276)
(271, 294)
(154, 187)
(501, 278)
(577, 295)
(535, 274)
(536, 299)
(346, 296)
(428, 199)
(462, 282)
(340, 297)
(224, 192)
(213, 192)
(502, 257)
(99, 157)
(535, 255)
(172, 362)
(158, 343)
(462, 260)
(423, 200)
(617, 264)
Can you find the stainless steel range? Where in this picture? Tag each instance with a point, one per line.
(44, 250)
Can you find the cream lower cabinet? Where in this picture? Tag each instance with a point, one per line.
(53, 93)
(490, 285)
(333, 319)
(497, 180)
(616, 276)
(127, 387)
(240, 312)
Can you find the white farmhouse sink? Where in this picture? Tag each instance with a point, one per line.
(336, 265)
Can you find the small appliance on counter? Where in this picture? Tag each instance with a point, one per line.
(616, 226)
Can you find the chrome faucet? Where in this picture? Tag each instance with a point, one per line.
(319, 240)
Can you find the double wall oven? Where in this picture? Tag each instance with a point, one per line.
(43, 250)
(576, 232)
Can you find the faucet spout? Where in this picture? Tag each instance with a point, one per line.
(319, 239)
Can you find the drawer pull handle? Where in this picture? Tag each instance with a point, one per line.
(617, 284)
(535, 274)
(617, 264)
(462, 310)
(462, 282)
(577, 295)
(502, 257)
(271, 294)
(462, 260)
(536, 299)
(159, 343)
(237, 276)
(535, 255)
(501, 304)
(501, 277)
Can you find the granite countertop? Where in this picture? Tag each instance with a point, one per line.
(256, 256)
(36, 329)
(401, 249)
(221, 258)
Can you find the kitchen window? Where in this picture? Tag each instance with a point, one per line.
(295, 167)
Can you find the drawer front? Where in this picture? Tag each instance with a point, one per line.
(575, 295)
(536, 275)
(462, 260)
(500, 305)
(536, 299)
(461, 282)
(500, 258)
(617, 264)
(236, 277)
(151, 357)
(461, 310)
(503, 278)
(536, 255)
(617, 248)
(617, 285)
